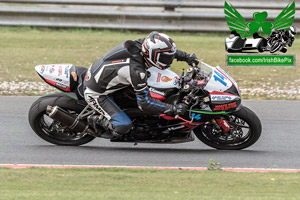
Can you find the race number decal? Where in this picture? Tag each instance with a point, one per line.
(220, 78)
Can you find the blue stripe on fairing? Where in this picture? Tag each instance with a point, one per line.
(107, 58)
(121, 119)
(152, 103)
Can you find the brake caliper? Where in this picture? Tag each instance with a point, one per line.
(223, 124)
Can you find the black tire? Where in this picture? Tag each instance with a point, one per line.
(283, 50)
(260, 49)
(275, 47)
(237, 138)
(37, 119)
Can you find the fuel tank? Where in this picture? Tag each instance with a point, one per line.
(162, 79)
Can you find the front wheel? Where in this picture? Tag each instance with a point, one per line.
(276, 46)
(245, 129)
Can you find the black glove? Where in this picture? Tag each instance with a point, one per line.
(180, 109)
(192, 58)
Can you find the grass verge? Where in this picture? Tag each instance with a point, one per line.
(22, 48)
(118, 183)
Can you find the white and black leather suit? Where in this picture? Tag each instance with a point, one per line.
(121, 67)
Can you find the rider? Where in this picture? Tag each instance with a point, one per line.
(288, 37)
(126, 65)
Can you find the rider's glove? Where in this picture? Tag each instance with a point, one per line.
(179, 109)
(192, 58)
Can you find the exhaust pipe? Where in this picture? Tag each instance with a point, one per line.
(69, 120)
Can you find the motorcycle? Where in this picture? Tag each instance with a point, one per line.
(280, 39)
(278, 42)
(215, 115)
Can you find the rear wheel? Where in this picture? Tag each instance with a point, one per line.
(245, 129)
(51, 130)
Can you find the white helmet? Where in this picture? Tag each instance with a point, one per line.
(158, 50)
(292, 31)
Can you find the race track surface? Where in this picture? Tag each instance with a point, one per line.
(278, 147)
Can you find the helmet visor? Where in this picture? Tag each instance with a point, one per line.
(166, 59)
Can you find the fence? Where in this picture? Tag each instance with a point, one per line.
(174, 15)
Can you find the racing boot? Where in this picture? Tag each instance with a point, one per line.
(103, 127)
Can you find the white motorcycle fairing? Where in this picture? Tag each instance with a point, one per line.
(57, 75)
(161, 80)
(223, 90)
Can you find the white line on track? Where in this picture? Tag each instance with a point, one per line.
(19, 166)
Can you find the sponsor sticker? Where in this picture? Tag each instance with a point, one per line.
(59, 79)
(95, 105)
(224, 107)
(221, 97)
(74, 75)
(62, 86)
(196, 116)
(176, 80)
(67, 71)
(42, 69)
(156, 91)
(59, 70)
(88, 75)
(165, 79)
(52, 69)
(158, 77)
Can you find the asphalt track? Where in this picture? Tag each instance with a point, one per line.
(278, 147)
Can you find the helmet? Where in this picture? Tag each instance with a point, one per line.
(158, 50)
(292, 31)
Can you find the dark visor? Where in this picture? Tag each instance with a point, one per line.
(166, 59)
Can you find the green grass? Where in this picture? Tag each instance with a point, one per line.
(42, 183)
(22, 48)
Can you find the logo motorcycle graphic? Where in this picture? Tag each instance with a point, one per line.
(280, 32)
(236, 21)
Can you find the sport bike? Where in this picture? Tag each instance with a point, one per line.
(215, 115)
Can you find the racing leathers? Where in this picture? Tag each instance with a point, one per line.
(121, 67)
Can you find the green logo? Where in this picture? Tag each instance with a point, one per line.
(237, 23)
